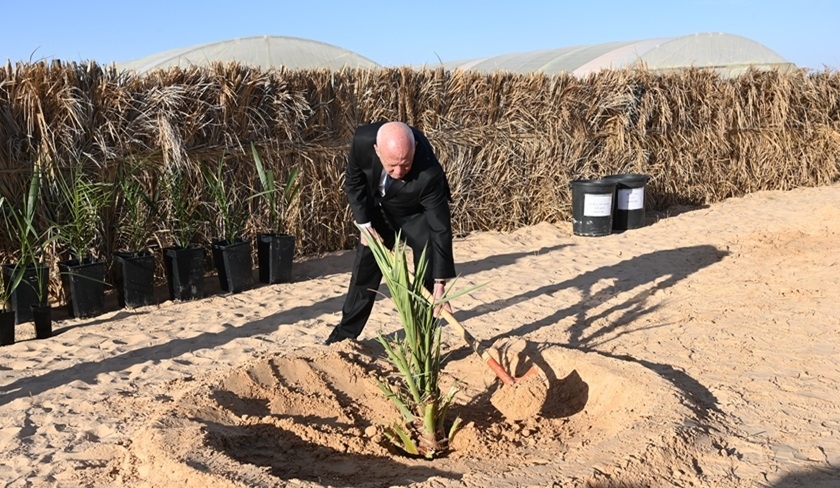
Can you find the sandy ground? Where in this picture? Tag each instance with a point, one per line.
(699, 350)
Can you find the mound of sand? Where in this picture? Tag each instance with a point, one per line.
(317, 418)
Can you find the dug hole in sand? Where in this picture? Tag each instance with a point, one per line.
(316, 419)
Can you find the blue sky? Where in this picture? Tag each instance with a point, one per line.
(805, 32)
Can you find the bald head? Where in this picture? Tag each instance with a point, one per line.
(395, 147)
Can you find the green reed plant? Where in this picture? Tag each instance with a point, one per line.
(77, 203)
(19, 221)
(270, 191)
(231, 213)
(10, 284)
(417, 357)
(138, 209)
(183, 210)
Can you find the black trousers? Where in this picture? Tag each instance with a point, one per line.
(367, 277)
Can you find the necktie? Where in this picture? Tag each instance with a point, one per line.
(387, 184)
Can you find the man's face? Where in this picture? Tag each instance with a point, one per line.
(396, 164)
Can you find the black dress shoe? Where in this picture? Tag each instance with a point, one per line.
(333, 338)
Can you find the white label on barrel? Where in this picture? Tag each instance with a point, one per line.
(631, 199)
(597, 205)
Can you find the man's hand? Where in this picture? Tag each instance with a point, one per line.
(440, 288)
(373, 233)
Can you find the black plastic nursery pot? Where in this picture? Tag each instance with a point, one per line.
(42, 316)
(84, 286)
(134, 276)
(592, 207)
(629, 205)
(233, 264)
(26, 293)
(7, 327)
(275, 253)
(184, 268)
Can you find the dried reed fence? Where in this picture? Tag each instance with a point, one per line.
(510, 143)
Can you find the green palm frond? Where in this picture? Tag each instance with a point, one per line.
(417, 356)
(288, 192)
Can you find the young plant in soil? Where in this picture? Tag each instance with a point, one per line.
(137, 210)
(231, 214)
(271, 191)
(424, 431)
(10, 284)
(20, 223)
(77, 221)
(182, 210)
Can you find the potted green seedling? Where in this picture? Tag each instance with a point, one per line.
(7, 316)
(8, 285)
(25, 281)
(184, 259)
(231, 252)
(77, 203)
(37, 278)
(134, 263)
(275, 247)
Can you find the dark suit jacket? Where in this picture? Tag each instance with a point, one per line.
(417, 205)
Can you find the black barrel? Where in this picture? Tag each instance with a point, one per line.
(629, 207)
(592, 207)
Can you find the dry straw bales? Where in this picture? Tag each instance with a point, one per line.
(510, 142)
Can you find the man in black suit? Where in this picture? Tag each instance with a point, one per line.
(394, 184)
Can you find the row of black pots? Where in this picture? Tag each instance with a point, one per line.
(26, 293)
(41, 315)
(185, 265)
(84, 282)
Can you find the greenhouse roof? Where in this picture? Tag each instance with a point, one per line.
(727, 53)
(262, 51)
